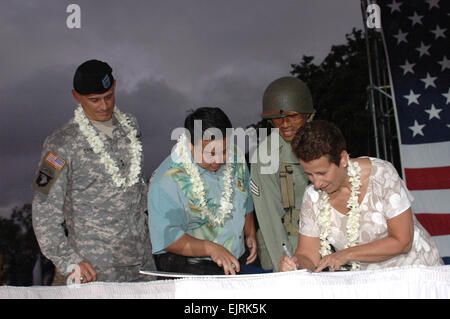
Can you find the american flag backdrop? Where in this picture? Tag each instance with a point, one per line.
(417, 42)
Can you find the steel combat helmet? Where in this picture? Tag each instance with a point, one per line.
(286, 96)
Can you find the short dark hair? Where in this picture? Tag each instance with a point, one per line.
(211, 117)
(318, 138)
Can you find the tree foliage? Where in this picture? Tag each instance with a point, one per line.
(339, 89)
(19, 247)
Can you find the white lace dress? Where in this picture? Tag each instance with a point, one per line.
(386, 197)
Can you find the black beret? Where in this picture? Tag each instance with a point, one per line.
(93, 77)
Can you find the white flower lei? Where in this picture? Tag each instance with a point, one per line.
(99, 148)
(198, 187)
(353, 171)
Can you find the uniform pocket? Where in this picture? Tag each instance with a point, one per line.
(86, 171)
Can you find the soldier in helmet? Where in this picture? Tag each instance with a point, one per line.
(277, 195)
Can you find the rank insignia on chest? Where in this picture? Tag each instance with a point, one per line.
(48, 173)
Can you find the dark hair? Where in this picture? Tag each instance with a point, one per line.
(318, 138)
(211, 118)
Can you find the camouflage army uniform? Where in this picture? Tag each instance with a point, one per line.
(106, 225)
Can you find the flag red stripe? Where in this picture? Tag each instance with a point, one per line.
(427, 178)
(435, 224)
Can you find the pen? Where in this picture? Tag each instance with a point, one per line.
(286, 251)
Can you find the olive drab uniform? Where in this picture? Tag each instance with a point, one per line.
(278, 195)
(277, 199)
(106, 225)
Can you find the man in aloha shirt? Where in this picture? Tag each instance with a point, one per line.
(182, 239)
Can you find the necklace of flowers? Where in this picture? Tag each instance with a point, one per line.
(198, 188)
(353, 171)
(98, 147)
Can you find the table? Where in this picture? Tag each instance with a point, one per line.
(391, 283)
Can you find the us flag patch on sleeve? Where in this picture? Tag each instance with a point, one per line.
(55, 161)
(254, 187)
(48, 173)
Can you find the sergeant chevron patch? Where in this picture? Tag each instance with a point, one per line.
(255, 188)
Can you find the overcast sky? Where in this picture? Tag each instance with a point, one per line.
(168, 56)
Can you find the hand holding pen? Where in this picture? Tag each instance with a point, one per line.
(286, 251)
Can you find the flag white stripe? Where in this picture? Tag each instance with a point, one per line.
(443, 245)
(426, 155)
(434, 201)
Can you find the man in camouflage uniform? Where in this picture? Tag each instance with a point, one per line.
(278, 192)
(104, 211)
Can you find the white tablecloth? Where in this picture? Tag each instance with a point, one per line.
(404, 282)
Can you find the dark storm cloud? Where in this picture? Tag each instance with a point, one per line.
(159, 110)
(181, 41)
(168, 57)
(37, 106)
(30, 110)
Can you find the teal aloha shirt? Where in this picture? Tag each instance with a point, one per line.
(173, 210)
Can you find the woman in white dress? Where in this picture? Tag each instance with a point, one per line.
(360, 207)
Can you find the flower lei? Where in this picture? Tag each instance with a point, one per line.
(198, 187)
(353, 171)
(99, 148)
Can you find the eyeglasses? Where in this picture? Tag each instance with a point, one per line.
(295, 118)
